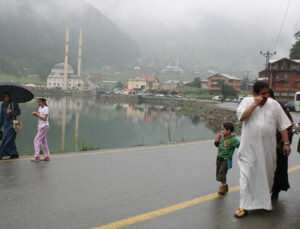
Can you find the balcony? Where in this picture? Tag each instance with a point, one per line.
(281, 80)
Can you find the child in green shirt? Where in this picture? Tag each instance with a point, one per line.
(226, 143)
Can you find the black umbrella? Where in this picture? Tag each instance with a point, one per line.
(17, 92)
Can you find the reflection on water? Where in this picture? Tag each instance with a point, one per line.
(78, 121)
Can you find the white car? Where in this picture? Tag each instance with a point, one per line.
(240, 100)
(217, 98)
(177, 96)
(159, 95)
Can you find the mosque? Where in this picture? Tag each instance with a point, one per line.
(56, 78)
(62, 75)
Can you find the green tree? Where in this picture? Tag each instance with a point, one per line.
(196, 82)
(295, 50)
(227, 91)
(119, 85)
(245, 82)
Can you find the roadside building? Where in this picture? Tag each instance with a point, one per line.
(204, 84)
(171, 84)
(283, 76)
(109, 84)
(213, 81)
(188, 83)
(56, 78)
(144, 83)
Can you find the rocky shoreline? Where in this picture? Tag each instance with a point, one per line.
(213, 115)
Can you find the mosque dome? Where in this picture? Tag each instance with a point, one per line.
(59, 68)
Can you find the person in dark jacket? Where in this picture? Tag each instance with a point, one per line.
(281, 179)
(9, 111)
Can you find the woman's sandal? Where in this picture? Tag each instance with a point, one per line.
(240, 213)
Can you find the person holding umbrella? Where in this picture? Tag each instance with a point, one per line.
(11, 94)
(9, 110)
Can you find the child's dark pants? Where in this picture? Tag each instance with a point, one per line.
(222, 169)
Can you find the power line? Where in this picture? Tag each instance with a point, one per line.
(282, 24)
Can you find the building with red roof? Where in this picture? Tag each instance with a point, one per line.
(144, 83)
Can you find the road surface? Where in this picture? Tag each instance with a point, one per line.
(167, 186)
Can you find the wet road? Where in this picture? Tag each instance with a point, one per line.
(173, 185)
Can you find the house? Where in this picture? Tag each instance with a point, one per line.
(56, 78)
(170, 84)
(204, 84)
(213, 81)
(144, 83)
(109, 84)
(283, 76)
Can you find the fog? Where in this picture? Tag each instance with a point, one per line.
(226, 34)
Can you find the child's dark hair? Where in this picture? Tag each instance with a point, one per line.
(43, 100)
(228, 126)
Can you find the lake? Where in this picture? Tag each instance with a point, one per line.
(86, 123)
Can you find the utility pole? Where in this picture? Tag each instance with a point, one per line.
(247, 79)
(267, 55)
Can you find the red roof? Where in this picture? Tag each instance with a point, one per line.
(147, 78)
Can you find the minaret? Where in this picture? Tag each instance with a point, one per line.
(63, 125)
(177, 62)
(76, 137)
(79, 52)
(65, 86)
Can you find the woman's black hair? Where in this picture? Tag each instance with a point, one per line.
(271, 93)
(259, 85)
(228, 126)
(8, 94)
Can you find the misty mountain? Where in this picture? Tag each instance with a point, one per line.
(227, 48)
(33, 34)
(220, 35)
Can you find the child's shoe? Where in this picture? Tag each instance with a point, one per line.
(223, 189)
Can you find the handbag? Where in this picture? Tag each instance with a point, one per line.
(17, 124)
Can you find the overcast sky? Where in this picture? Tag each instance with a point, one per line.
(263, 15)
(227, 34)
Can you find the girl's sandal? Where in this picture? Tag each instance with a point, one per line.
(46, 159)
(240, 213)
(36, 159)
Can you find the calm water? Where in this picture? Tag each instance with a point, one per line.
(78, 122)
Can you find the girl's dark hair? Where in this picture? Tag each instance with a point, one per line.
(259, 85)
(44, 101)
(228, 126)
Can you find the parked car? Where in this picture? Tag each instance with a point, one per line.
(149, 94)
(284, 102)
(116, 92)
(169, 95)
(159, 95)
(217, 98)
(240, 99)
(234, 100)
(177, 96)
(290, 106)
(140, 93)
